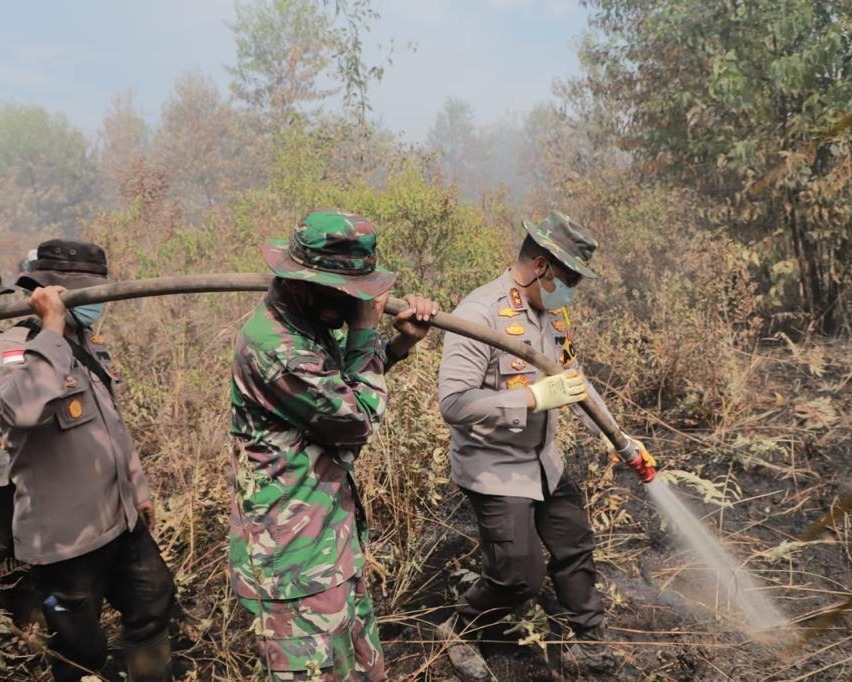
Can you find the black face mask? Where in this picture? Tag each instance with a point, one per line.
(332, 308)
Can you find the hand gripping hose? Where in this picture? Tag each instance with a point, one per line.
(220, 282)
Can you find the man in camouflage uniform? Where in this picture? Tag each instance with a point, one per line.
(305, 398)
(503, 417)
(82, 506)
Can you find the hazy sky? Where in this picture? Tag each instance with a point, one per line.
(75, 55)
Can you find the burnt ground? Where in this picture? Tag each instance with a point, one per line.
(663, 628)
(780, 466)
(659, 626)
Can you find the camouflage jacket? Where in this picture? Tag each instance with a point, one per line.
(302, 404)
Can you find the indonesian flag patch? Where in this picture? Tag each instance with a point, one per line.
(13, 356)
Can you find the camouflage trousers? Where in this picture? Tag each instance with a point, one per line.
(330, 636)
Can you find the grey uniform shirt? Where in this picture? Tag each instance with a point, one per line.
(77, 475)
(497, 445)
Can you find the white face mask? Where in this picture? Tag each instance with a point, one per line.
(85, 315)
(562, 294)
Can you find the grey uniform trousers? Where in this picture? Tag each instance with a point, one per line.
(511, 530)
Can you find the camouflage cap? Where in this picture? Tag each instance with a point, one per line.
(69, 263)
(567, 240)
(332, 248)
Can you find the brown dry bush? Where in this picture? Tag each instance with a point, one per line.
(173, 355)
(669, 335)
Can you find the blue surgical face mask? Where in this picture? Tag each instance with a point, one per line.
(561, 295)
(85, 315)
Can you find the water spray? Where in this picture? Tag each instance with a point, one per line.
(762, 618)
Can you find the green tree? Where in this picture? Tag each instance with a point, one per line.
(748, 102)
(46, 172)
(283, 48)
(294, 52)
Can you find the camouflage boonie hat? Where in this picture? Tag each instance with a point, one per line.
(566, 240)
(332, 248)
(68, 263)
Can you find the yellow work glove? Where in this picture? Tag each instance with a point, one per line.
(559, 390)
(646, 456)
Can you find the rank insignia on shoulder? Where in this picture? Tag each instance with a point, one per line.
(518, 364)
(559, 325)
(515, 330)
(508, 312)
(13, 356)
(515, 299)
(75, 408)
(517, 381)
(70, 382)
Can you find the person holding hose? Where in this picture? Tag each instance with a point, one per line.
(503, 416)
(307, 393)
(83, 514)
(17, 590)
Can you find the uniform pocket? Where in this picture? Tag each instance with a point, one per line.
(515, 372)
(74, 408)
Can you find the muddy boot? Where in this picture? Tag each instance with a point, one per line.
(468, 663)
(589, 653)
(149, 661)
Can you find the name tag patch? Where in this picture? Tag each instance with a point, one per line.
(517, 381)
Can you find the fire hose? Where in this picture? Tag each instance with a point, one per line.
(594, 409)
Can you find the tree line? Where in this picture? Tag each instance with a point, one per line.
(742, 108)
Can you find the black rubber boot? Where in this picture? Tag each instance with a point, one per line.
(149, 661)
(464, 654)
(588, 651)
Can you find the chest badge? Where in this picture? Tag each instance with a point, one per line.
(518, 364)
(75, 408)
(508, 312)
(559, 325)
(515, 299)
(568, 353)
(515, 330)
(70, 382)
(517, 381)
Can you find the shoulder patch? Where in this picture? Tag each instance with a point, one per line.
(13, 356)
(515, 299)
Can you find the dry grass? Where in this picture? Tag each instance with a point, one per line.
(793, 409)
(755, 434)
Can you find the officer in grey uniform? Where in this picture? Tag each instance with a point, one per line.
(503, 416)
(82, 506)
(17, 592)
